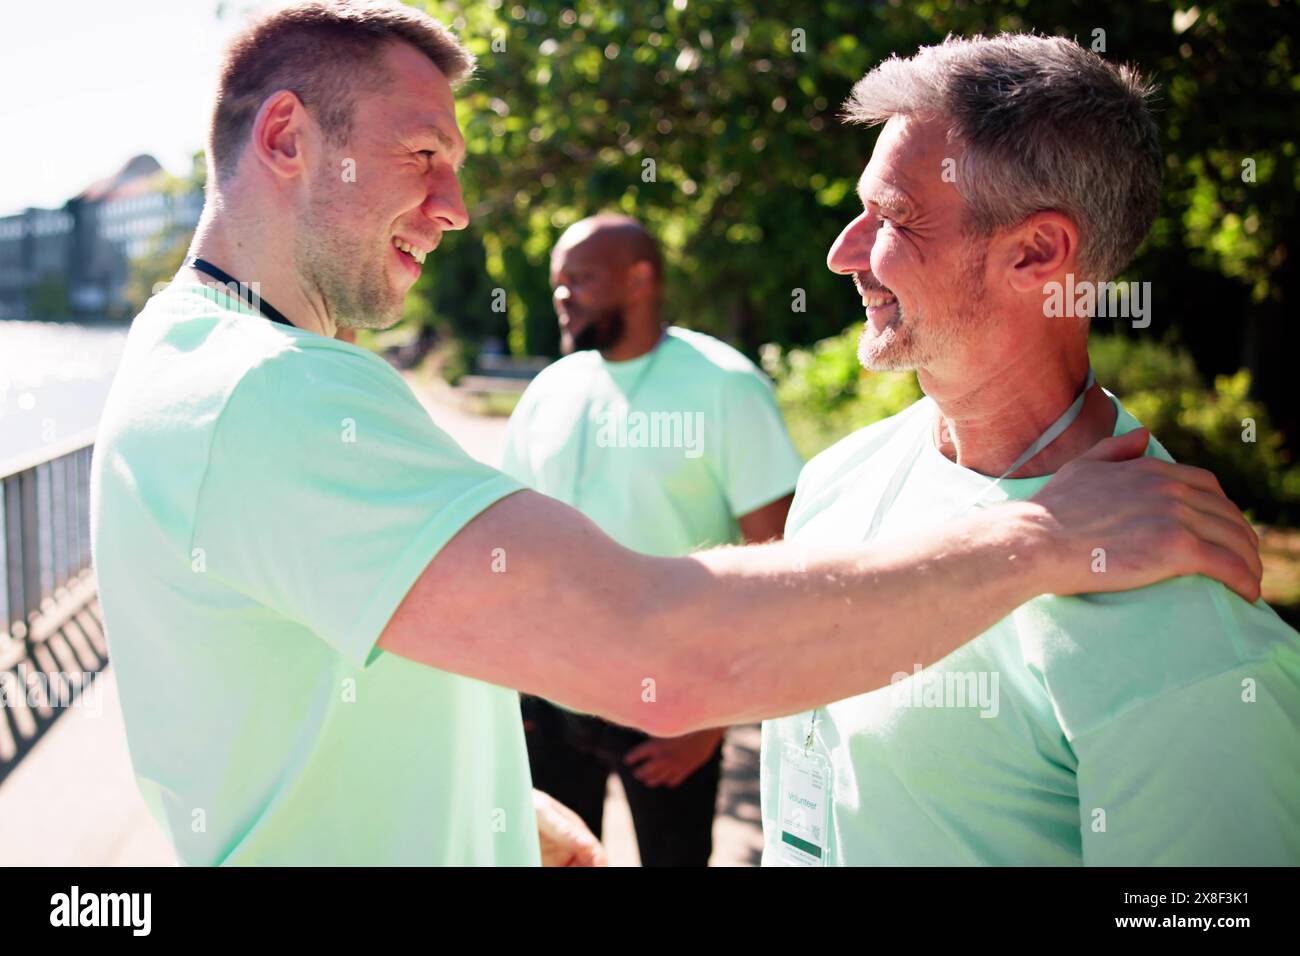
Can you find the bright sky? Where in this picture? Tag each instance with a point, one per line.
(87, 84)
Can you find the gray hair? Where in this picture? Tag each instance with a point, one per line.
(1045, 124)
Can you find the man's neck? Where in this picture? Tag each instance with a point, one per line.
(641, 335)
(993, 414)
(256, 259)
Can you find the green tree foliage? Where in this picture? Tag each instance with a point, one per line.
(825, 395)
(167, 249)
(736, 104)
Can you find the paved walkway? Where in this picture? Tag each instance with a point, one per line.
(73, 800)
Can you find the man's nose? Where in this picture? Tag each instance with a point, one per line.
(445, 204)
(851, 251)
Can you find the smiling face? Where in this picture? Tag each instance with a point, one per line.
(921, 280)
(379, 204)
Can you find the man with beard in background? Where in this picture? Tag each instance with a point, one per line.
(670, 441)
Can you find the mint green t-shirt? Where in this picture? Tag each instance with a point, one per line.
(664, 451)
(1157, 726)
(262, 499)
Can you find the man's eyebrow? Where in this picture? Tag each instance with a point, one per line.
(444, 141)
(888, 198)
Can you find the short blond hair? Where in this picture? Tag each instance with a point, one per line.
(326, 52)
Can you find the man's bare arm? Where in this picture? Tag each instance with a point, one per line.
(668, 761)
(673, 645)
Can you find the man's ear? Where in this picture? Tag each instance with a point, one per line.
(279, 133)
(1039, 250)
(641, 279)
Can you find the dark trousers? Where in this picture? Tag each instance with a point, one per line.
(572, 756)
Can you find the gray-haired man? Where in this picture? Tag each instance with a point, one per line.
(1154, 726)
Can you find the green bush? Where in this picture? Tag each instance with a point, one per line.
(825, 395)
(1128, 365)
(454, 360)
(1220, 428)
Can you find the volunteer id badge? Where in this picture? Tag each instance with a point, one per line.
(805, 801)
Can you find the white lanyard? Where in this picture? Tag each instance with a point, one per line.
(1053, 432)
(896, 480)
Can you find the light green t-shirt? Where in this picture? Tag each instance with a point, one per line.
(1154, 726)
(262, 499)
(663, 452)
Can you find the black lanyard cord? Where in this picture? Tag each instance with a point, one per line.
(252, 299)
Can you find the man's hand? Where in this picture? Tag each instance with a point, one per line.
(564, 838)
(1143, 520)
(668, 761)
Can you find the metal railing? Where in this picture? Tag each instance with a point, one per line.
(45, 517)
(49, 646)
